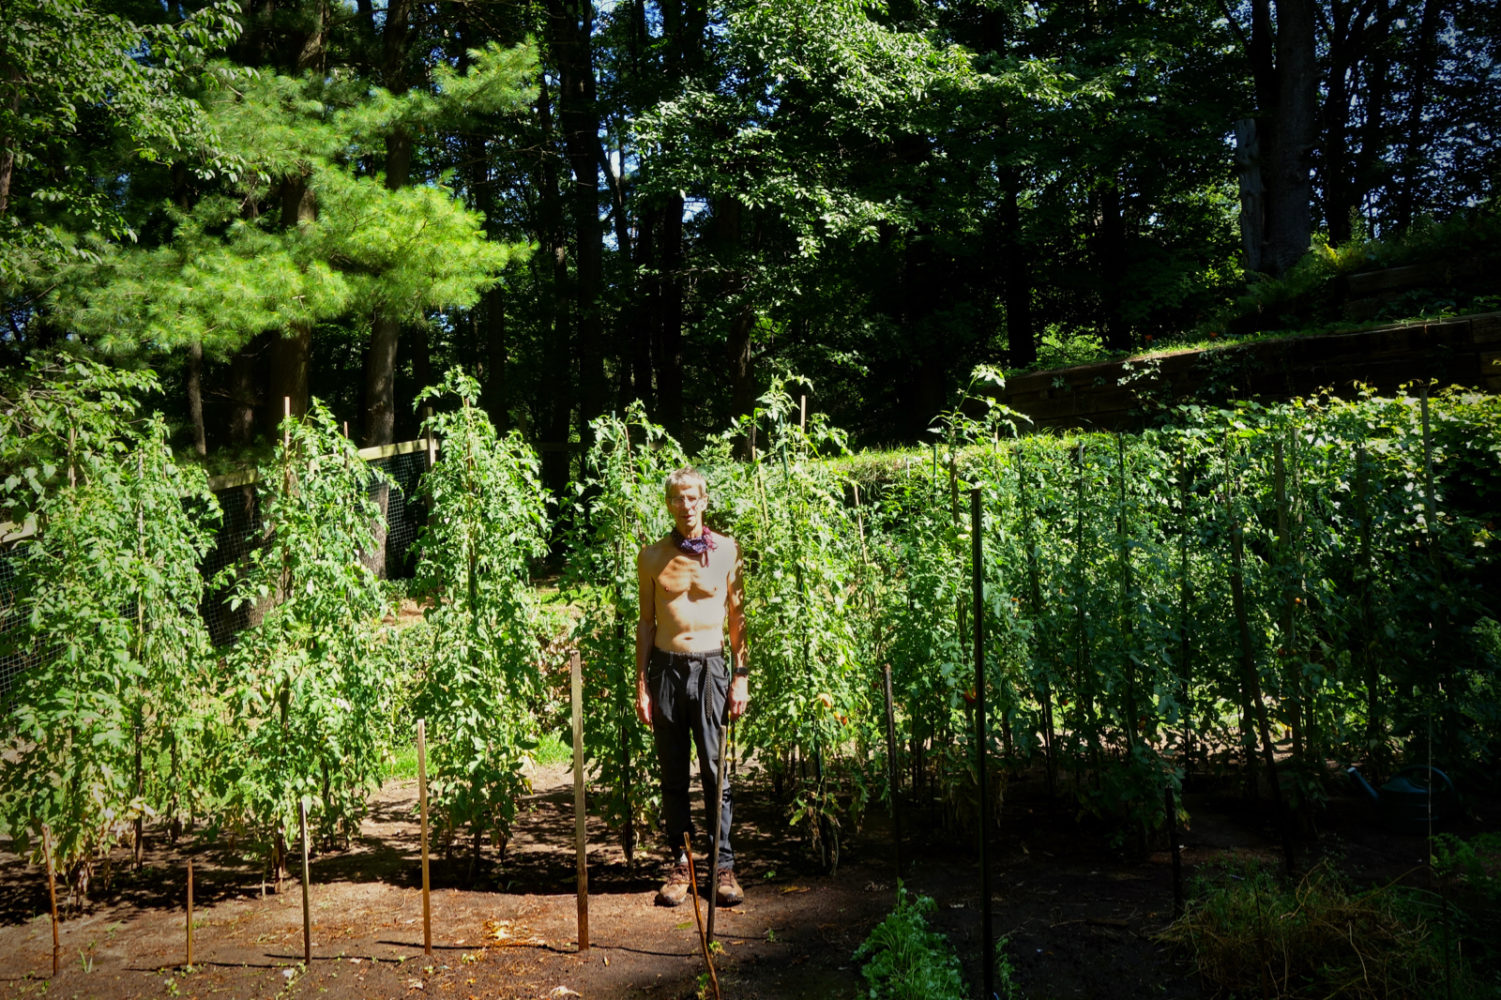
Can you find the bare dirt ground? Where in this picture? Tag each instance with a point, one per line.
(1079, 916)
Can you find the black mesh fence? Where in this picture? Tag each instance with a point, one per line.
(12, 659)
(240, 531)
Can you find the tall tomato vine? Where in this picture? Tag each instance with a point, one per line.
(479, 678)
(104, 728)
(311, 683)
(620, 498)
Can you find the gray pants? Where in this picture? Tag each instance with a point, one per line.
(688, 694)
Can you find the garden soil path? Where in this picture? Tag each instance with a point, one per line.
(1078, 917)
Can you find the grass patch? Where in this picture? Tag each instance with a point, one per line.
(551, 750)
(1253, 934)
(402, 764)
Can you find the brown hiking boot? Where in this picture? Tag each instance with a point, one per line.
(727, 891)
(675, 889)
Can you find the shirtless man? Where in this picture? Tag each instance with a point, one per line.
(691, 594)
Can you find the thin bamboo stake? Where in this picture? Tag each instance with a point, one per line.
(1255, 704)
(427, 909)
(896, 809)
(580, 819)
(51, 894)
(714, 818)
(190, 913)
(976, 516)
(307, 917)
(1185, 591)
(703, 936)
(1034, 594)
(1172, 835)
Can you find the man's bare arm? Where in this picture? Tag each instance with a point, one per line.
(646, 633)
(735, 623)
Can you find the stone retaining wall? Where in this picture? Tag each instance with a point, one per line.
(1120, 395)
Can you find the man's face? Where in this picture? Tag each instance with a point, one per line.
(686, 505)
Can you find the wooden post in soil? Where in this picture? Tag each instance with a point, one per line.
(307, 917)
(976, 517)
(190, 913)
(427, 909)
(51, 894)
(580, 818)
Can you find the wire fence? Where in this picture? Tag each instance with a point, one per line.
(240, 532)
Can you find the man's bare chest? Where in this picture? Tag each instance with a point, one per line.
(685, 577)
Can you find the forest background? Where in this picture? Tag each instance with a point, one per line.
(589, 203)
(630, 224)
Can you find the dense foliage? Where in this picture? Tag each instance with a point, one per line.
(109, 730)
(1312, 581)
(672, 200)
(1260, 589)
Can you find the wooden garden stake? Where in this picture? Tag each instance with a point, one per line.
(307, 918)
(432, 444)
(427, 908)
(703, 936)
(896, 809)
(580, 818)
(51, 894)
(190, 913)
(976, 516)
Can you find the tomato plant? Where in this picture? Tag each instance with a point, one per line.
(310, 684)
(105, 728)
(477, 659)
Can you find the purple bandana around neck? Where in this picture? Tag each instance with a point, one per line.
(699, 546)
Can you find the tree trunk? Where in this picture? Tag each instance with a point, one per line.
(1287, 90)
(1021, 338)
(1415, 138)
(244, 400)
(7, 151)
(291, 351)
(669, 352)
(558, 389)
(644, 335)
(385, 329)
(194, 390)
(570, 24)
(1110, 266)
(492, 329)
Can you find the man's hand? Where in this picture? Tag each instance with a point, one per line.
(643, 702)
(739, 696)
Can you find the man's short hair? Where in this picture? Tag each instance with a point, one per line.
(686, 476)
